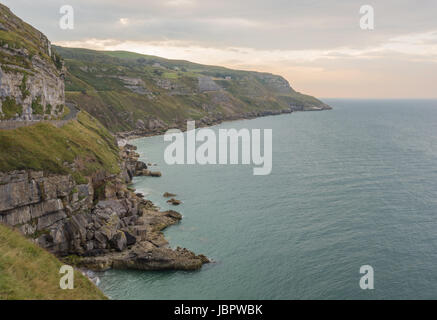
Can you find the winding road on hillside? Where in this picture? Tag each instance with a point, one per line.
(13, 124)
(74, 110)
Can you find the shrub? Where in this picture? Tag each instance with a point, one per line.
(11, 108)
(57, 60)
(48, 109)
(24, 91)
(37, 107)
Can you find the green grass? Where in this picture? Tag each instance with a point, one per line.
(31, 273)
(93, 83)
(21, 35)
(23, 87)
(171, 75)
(65, 113)
(45, 147)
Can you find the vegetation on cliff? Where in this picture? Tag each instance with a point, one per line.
(102, 221)
(124, 90)
(30, 272)
(32, 74)
(81, 147)
(19, 35)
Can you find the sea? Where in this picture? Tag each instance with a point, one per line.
(351, 187)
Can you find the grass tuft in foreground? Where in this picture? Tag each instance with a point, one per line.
(29, 272)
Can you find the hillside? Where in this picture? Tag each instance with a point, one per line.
(31, 73)
(82, 148)
(29, 272)
(64, 181)
(48, 169)
(128, 91)
(63, 178)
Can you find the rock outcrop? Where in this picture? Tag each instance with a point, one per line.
(88, 212)
(168, 195)
(33, 201)
(31, 73)
(174, 202)
(102, 222)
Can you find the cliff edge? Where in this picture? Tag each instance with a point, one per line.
(31, 73)
(65, 184)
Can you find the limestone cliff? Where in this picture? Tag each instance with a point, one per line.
(64, 185)
(102, 223)
(31, 73)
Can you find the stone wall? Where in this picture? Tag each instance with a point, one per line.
(13, 124)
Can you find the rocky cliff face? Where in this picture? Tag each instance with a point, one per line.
(88, 211)
(31, 74)
(102, 222)
(34, 203)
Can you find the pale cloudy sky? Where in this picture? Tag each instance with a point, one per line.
(317, 45)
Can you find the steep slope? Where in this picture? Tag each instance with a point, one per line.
(64, 183)
(31, 74)
(82, 148)
(128, 91)
(29, 272)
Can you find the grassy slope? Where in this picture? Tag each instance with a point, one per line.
(45, 147)
(29, 272)
(93, 84)
(21, 35)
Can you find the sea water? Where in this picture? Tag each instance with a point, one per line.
(349, 187)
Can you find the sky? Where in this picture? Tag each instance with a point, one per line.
(318, 46)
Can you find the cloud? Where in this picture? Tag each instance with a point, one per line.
(124, 21)
(416, 45)
(233, 22)
(276, 24)
(179, 3)
(317, 45)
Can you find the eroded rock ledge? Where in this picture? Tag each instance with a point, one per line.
(99, 225)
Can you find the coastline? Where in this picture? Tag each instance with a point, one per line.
(207, 122)
(144, 246)
(100, 222)
(123, 139)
